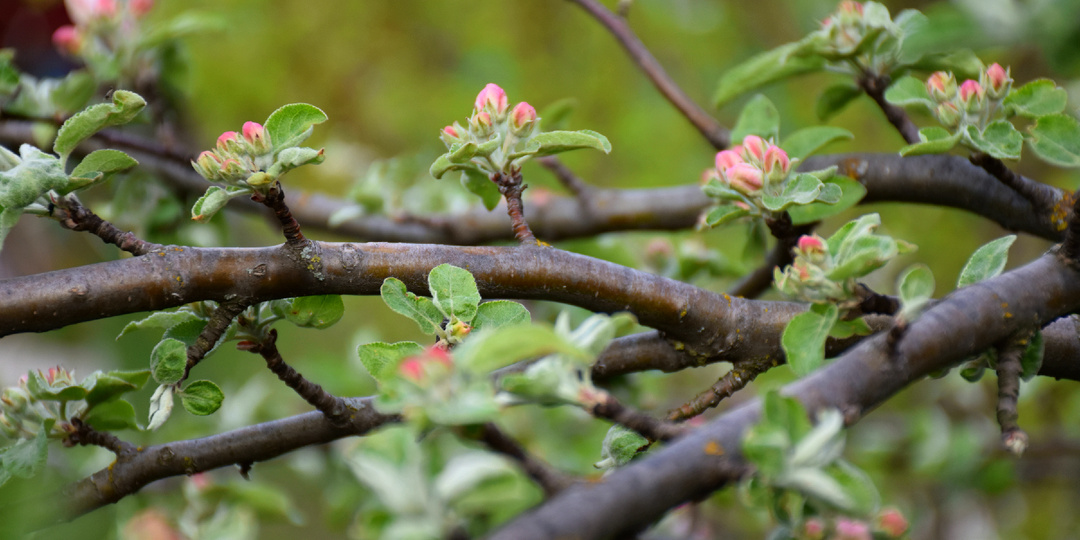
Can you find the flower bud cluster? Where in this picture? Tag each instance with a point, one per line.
(238, 157)
(972, 102)
(889, 523)
(94, 19)
(857, 29)
(806, 277)
(493, 118)
(752, 165)
(21, 415)
(846, 27)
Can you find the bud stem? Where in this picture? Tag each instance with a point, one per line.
(511, 186)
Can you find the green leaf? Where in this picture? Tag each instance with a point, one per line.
(851, 192)
(987, 261)
(420, 309)
(759, 117)
(1056, 139)
(935, 140)
(916, 288)
(766, 446)
(862, 256)
(125, 106)
(804, 338)
(762, 69)
(443, 165)
(500, 313)
(159, 319)
(492, 350)
(26, 458)
(786, 413)
(1032, 358)
(478, 183)
(315, 311)
(462, 152)
(1036, 98)
(964, 63)
(620, 446)
(201, 398)
(806, 141)
(846, 329)
(112, 416)
(454, 291)
(35, 175)
(555, 142)
(291, 158)
(214, 200)
(378, 357)
(1000, 139)
(909, 91)
(168, 361)
(802, 189)
(857, 487)
(102, 387)
(834, 99)
(292, 124)
(40, 389)
(724, 213)
(103, 162)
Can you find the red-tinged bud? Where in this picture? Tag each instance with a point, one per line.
(208, 165)
(972, 95)
(776, 164)
(847, 529)
(67, 39)
(441, 355)
(753, 149)
(744, 178)
(481, 124)
(891, 522)
(826, 22)
(998, 83)
(257, 136)
(848, 7)
(811, 243)
(948, 114)
(228, 142)
(58, 376)
(725, 159)
(813, 529)
(83, 12)
(139, 8)
(493, 98)
(941, 86)
(201, 481)
(412, 369)
(522, 119)
(449, 131)
(232, 169)
(460, 329)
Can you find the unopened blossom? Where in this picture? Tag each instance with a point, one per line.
(998, 81)
(811, 243)
(847, 529)
(67, 39)
(522, 118)
(257, 137)
(753, 148)
(725, 159)
(227, 142)
(84, 12)
(776, 164)
(948, 114)
(481, 124)
(744, 178)
(891, 522)
(492, 97)
(971, 95)
(941, 86)
(140, 8)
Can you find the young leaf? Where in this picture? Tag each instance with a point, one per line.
(862, 256)
(846, 329)
(103, 162)
(762, 69)
(478, 183)
(1000, 139)
(125, 106)
(292, 124)
(102, 387)
(834, 99)
(806, 141)
(315, 311)
(40, 389)
(759, 117)
(462, 153)
(851, 192)
(420, 309)
(443, 165)
(490, 351)
(112, 416)
(161, 406)
(935, 140)
(168, 360)
(1031, 360)
(1036, 98)
(291, 158)
(25, 458)
(214, 200)
(803, 189)
(454, 291)
(987, 261)
(724, 213)
(159, 319)
(916, 287)
(804, 338)
(909, 91)
(202, 398)
(555, 142)
(379, 356)
(1056, 139)
(499, 313)
(620, 445)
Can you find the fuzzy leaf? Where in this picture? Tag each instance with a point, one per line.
(909, 91)
(378, 357)
(724, 213)
(851, 192)
(125, 106)
(935, 140)
(1036, 98)
(620, 445)
(454, 292)
(214, 200)
(168, 360)
(987, 261)
(499, 313)
(478, 183)
(420, 309)
(161, 406)
(443, 165)
(1000, 139)
(759, 117)
(806, 141)
(1056, 139)
(25, 458)
(292, 124)
(762, 69)
(916, 288)
(112, 416)
(159, 319)
(102, 387)
(315, 311)
(555, 142)
(201, 398)
(804, 338)
(103, 163)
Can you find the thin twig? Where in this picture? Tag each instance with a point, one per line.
(1008, 373)
(606, 406)
(569, 180)
(217, 325)
(85, 435)
(875, 86)
(275, 200)
(872, 302)
(550, 479)
(716, 134)
(740, 375)
(1041, 195)
(77, 217)
(511, 186)
(333, 407)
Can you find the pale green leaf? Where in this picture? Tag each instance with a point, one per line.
(759, 117)
(292, 124)
(377, 358)
(804, 338)
(987, 261)
(201, 398)
(454, 291)
(420, 309)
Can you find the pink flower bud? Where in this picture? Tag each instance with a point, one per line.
(776, 164)
(449, 131)
(948, 114)
(481, 124)
(744, 178)
(971, 95)
(725, 159)
(227, 142)
(82, 12)
(848, 7)
(257, 136)
(811, 243)
(753, 149)
(440, 355)
(847, 529)
(67, 39)
(208, 165)
(412, 368)
(892, 522)
(140, 8)
(522, 118)
(998, 81)
(232, 168)
(813, 529)
(941, 86)
(492, 97)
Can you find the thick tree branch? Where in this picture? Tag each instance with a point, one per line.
(717, 135)
(966, 322)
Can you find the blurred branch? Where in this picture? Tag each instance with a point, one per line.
(875, 86)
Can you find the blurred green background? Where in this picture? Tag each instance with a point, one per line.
(391, 73)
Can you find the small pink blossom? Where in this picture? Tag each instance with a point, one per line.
(412, 368)
(67, 39)
(971, 93)
(753, 148)
(224, 139)
(440, 355)
(998, 81)
(847, 529)
(257, 136)
(449, 131)
(941, 85)
(494, 96)
(892, 522)
(776, 163)
(481, 123)
(252, 130)
(744, 178)
(813, 529)
(811, 243)
(522, 117)
(82, 12)
(725, 159)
